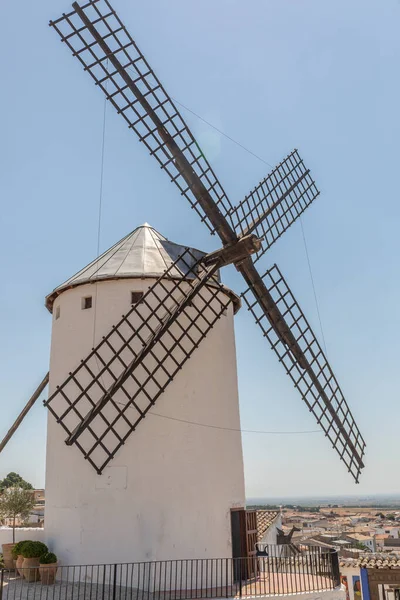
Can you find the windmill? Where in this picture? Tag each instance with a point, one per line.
(102, 401)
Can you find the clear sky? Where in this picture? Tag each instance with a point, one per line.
(274, 75)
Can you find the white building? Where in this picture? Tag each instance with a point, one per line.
(169, 491)
(389, 529)
(366, 540)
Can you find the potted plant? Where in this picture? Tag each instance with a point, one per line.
(15, 503)
(31, 552)
(17, 555)
(7, 556)
(48, 568)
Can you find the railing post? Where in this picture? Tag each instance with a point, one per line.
(335, 568)
(226, 577)
(104, 581)
(114, 582)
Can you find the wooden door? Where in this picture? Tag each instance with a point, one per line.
(244, 539)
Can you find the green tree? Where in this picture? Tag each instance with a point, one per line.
(16, 503)
(14, 480)
(360, 546)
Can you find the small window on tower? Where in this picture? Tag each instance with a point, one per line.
(57, 315)
(136, 297)
(86, 302)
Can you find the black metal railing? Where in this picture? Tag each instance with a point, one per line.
(278, 573)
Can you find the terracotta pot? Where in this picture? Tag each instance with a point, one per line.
(7, 556)
(48, 573)
(30, 569)
(18, 564)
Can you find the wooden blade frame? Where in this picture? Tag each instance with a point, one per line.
(276, 202)
(102, 402)
(316, 383)
(97, 37)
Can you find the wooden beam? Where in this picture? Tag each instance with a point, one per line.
(25, 411)
(235, 252)
(182, 164)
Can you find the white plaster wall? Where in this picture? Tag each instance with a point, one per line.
(21, 533)
(168, 492)
(393, 531)
(270, 535)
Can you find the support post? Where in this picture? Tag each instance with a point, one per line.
(114, 582)
(24, 412)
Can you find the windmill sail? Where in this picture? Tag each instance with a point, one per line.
(120, 70)
(276, 202)
(315, 380)
(146, 349)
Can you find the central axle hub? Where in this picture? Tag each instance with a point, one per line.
(234, 253)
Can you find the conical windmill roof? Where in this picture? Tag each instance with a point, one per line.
(142, 253)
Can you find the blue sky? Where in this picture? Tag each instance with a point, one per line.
(274, 75)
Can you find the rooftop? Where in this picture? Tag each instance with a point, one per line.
(265, 518)
(361, 537)
(375, 561)
(142, 253)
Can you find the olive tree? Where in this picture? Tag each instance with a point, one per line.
(16, 503)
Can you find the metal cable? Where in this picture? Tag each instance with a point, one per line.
(313, 286)
(233, 429)
(222, 133)
(99, 218)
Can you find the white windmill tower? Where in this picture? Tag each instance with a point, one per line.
(160, 487)
(169, 490)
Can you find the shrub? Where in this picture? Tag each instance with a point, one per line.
(48, 558)
(34, 549)
(17, 550)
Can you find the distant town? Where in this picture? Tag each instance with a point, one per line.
(351, 530)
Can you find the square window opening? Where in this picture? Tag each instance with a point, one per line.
(86, 302)
(136, 297)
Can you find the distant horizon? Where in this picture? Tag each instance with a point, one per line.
(309, 499)
(315, 499)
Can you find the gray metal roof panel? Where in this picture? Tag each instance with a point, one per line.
(142, 253)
